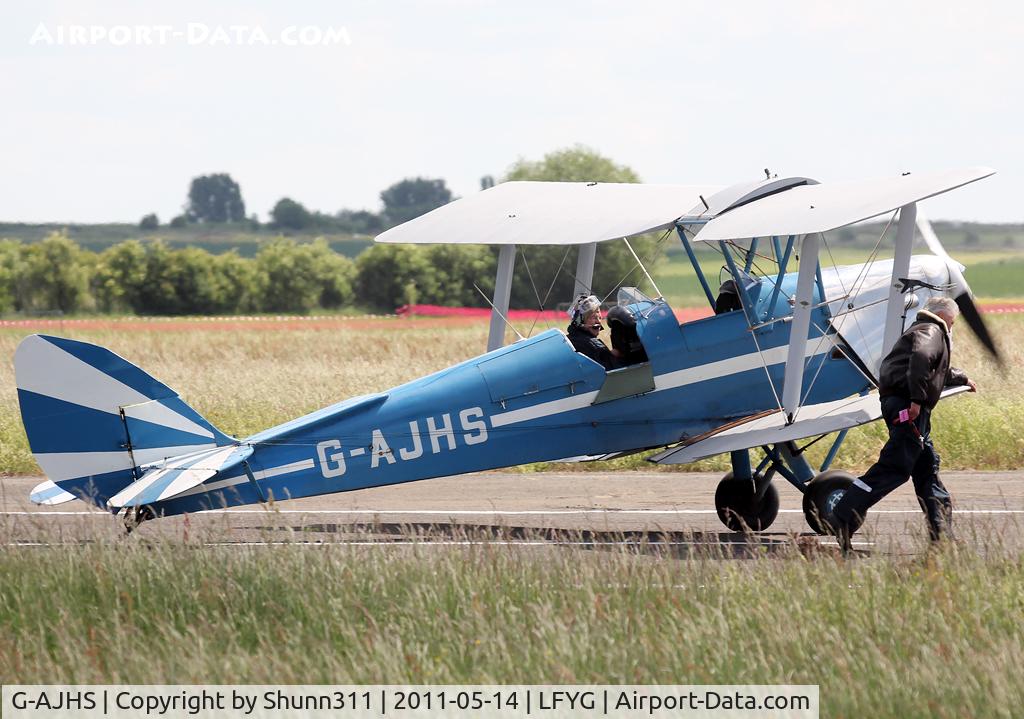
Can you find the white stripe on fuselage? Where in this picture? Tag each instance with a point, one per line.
(669, 380)
(544, 409)
(732, 365)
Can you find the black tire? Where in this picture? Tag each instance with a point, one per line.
(820, 499)
(738, 509)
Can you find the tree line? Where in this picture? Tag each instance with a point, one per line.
(217, 199)
(149, 278)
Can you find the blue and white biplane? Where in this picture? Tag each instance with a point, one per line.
(796, 358)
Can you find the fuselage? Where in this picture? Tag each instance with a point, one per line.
(538, 400)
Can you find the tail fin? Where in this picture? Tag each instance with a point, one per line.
(93, 418)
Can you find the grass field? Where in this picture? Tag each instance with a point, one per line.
(245, 380)
(940, 635)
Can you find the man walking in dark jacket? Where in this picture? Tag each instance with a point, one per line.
(911, 380)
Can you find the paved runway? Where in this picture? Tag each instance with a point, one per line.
(597, 509)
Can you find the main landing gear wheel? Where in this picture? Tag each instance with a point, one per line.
(822, 495)
(739, 507)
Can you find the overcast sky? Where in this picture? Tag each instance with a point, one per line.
(708, 92)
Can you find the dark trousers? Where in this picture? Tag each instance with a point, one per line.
(907, 454)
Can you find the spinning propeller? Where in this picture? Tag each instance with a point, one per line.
(959, 286)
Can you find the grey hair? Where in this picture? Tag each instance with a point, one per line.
(942, 305)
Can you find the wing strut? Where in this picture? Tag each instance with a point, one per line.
(585, 270)
(895, 311)
(804, 301)
(696, 265)
(502, 293)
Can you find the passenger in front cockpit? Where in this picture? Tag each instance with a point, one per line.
(584, 329)
(626, 345)
(728, 298)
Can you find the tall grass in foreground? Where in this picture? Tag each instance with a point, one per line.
(940, 635)
(247, 380)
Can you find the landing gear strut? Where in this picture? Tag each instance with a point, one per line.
(822, 491)
(747, 500)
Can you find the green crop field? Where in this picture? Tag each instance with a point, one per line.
(997, 278)
(995, 274)
(213, 237)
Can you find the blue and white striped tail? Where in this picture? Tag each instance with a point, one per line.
(93, 418)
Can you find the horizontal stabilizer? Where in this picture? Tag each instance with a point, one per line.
(760, 430)
(178, 474)
(49, 494)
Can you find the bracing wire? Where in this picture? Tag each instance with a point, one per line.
(526, 264)
(536, 292)
(542, 302)
(861, 277)
(646, 273)
(638, 265)
(757, 345)
(500, 313)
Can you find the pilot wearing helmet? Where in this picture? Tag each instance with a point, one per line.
(584, 329)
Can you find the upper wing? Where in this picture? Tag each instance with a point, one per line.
(819, 208)
(551, 213)
(572, 213)
(759, 430)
